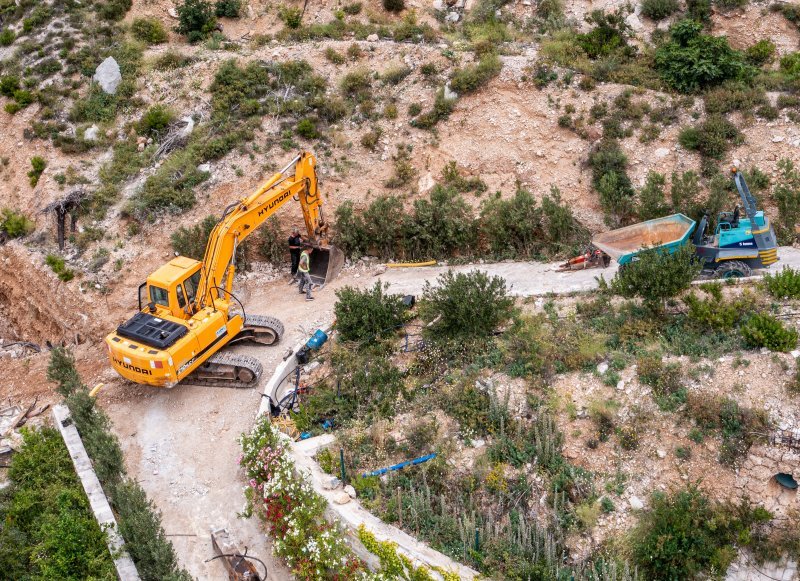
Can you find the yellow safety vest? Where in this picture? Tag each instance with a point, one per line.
(304, 258)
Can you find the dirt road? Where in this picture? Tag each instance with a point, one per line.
(181, 443)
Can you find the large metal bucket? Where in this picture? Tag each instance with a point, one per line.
(326, 263)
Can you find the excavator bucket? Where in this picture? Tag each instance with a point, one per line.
(326, 262)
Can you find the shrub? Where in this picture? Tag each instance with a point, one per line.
(97, 106)
(9, 84)
(7, 37)
(713, 312)
(191, 241)
(394, 5)
(685, 535)
(651, 197)
(384, 221)
(657, 276)
(608, 36)
(14, 224)
(352, 9)
(787, 198)
(734, 97)
(334, 56)
(155, 121)
(367, 315)
(785, 284)
(292, 17)
(659, 9)
(610, 179)
(49, 531)
(351, 236)
(692, 61)
(760, 53)
(172, 59)
(666, 380)
(769, 332)
(726, 5)
(37, 164)
(149, 30)
(356, 84)
(195, 19)
(307, 128)
(712, 138)
(404, 171)
(394, 75)
(59, 267)
(370, 139)
(470, 305)
(472, 77)
(442, 107)
(227, 8)
(170, 189)
(114, 9)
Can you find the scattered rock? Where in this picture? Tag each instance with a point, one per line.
(636, 503)
(108, 75)
(372, 38)
(661, 152)
(351, 492)
(204, 167)
(602, 368)
(661, 453)
(331, 483)
(172, 12)
(621, 385)
(439, 5)
(778, 138)
(795, 354)
(449, 94)
(478, 443)
(634, 22)
(426, 183)
(342, 498)
(91, 133)
(452, 17)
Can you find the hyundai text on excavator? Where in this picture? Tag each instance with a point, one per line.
(187, 312)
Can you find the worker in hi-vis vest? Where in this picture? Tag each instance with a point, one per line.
(303, 269)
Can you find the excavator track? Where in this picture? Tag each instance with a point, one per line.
(260, 329)
(227, 370)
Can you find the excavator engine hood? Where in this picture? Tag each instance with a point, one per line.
(326, 263)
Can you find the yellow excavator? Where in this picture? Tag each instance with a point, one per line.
(187, 312)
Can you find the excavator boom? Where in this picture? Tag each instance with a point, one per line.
(187, 312)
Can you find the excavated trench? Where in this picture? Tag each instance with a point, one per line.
(34, 305)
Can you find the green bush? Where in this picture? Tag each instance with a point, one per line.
(713, 312)
(307, 128)
(394, 5)
(726, 5)
(787, 198)
(685, 535)
(114, 9)
(769, 332)
(440, 226)
(442, 107)
(97, 106)
(760, 53)
(712, 138)
(170, 189)
(59, 267)
(657, 276)
(357, 84)
(659, 9)
(394, 75)
(171, 60)
(9, 84)
(149, 30)
(49, 530)
(334, 56)
(228, 8)
(37, 164)
(610, 179)
(291, 16)
(785, 284)
(692, 61)
(651, 197)
(465, 305)
(367, 315)
(195, 19)
(734, 97)
(155, 121)
(191, 241)
(14, 224)
(609, 35)
(472, 77)
(665, 379)
(7, 37)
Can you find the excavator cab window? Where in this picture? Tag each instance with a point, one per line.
(181, 298)
(191, 284)
(159, 296)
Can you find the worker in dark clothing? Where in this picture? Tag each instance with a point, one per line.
(295, 248)
(736, 213)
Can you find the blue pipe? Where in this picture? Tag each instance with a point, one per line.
(414, 462)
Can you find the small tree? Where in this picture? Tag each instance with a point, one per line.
(651, 197)
(656, 276)
(191, 242)
(468, 306)
(369, 314)
(195, 19)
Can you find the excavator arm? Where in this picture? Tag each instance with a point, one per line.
(241, 219)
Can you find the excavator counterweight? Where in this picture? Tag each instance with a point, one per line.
(187, 311)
